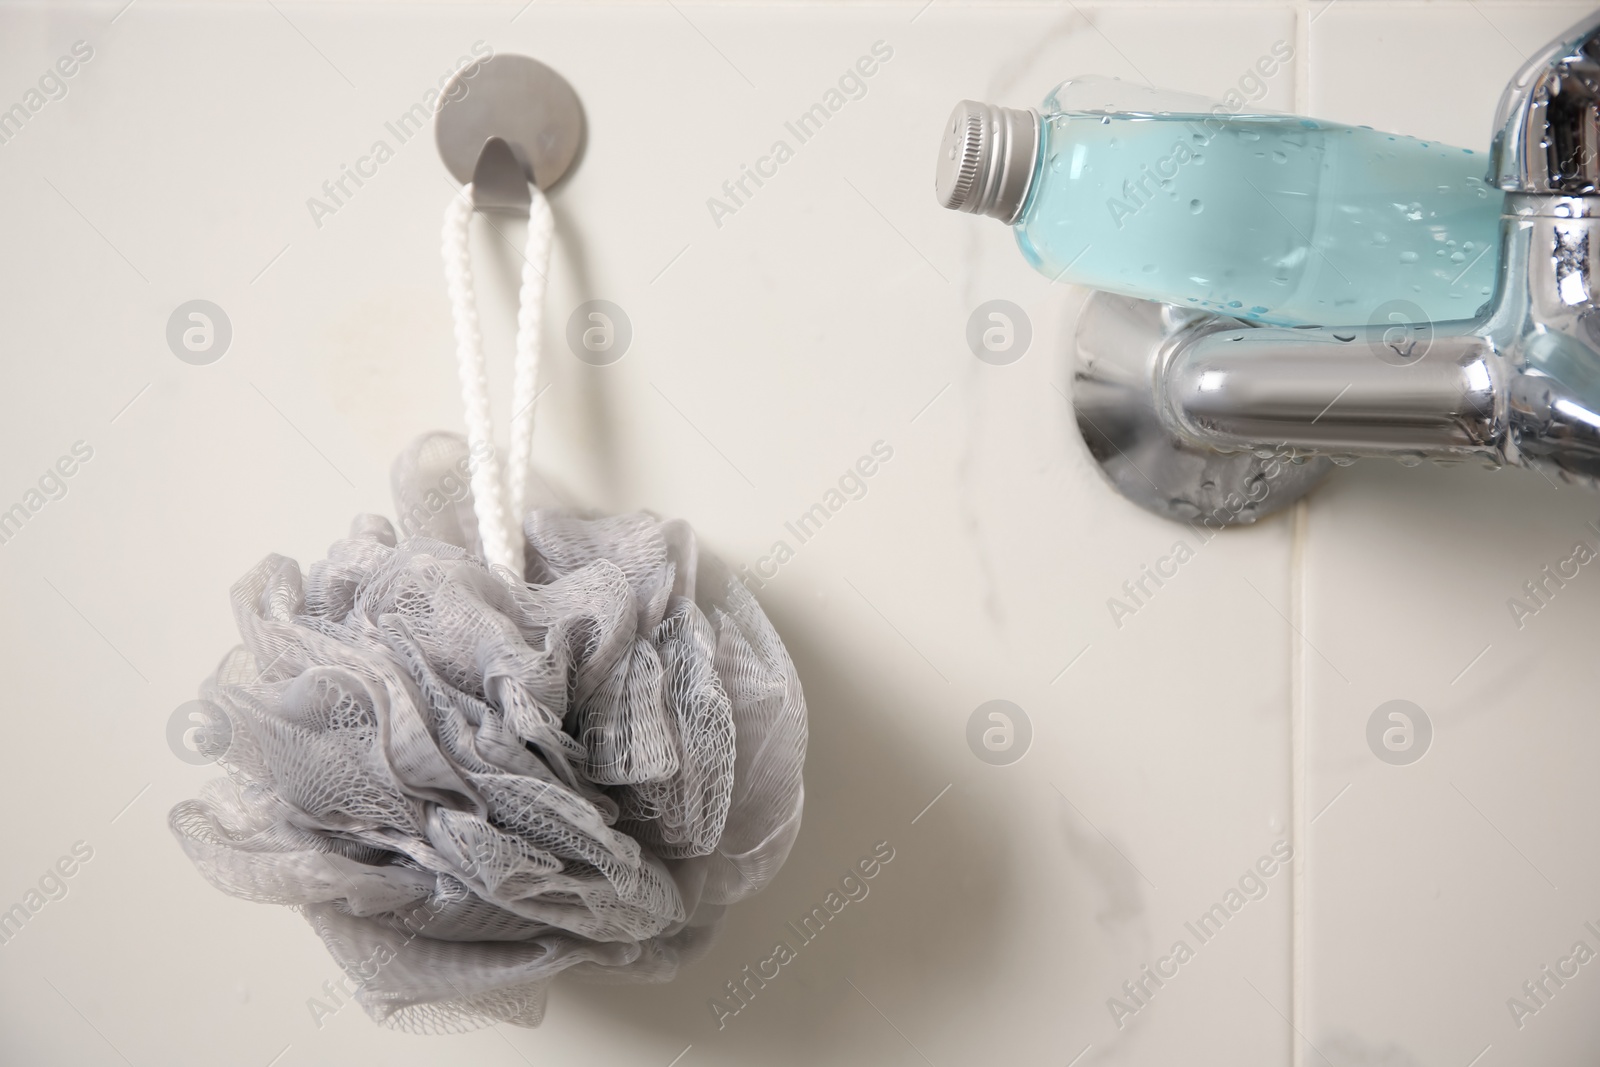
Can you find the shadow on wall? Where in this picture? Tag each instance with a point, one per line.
(930, 916)
(592, 406)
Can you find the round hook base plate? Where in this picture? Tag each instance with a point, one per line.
(1122, 346)
(519, 100)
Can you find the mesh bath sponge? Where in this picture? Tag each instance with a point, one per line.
(471, 781)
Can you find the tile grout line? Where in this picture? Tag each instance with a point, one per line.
(1300, 826)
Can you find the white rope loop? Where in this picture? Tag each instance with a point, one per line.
(530, 324)
(499, 512)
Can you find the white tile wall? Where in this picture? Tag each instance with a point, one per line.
(1435, 890)
(768, 354)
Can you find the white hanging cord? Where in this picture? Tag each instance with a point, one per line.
(499, 512)
(530, 324)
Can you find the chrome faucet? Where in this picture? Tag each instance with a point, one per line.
(1204, 418)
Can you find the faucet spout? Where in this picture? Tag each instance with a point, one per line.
(1372, 391)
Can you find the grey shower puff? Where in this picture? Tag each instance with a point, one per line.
(470, 782)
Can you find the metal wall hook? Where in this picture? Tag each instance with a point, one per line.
(506, 121)
(500, 179)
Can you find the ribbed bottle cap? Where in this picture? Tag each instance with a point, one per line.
(987, 159)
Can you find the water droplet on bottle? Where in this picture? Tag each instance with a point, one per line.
(1458, 257)
(1408, 257)
(1279, 157)
(1105, 120)
(1345, 461)
(1195, 207)
(1258, 310)
(1343, 335)
(1235, 304)
(1249, 135)
(1380, 238)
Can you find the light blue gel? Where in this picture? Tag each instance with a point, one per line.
(1274, 218)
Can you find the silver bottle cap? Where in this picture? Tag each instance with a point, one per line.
(987, 159)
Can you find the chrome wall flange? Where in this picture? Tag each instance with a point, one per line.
(1123, 348)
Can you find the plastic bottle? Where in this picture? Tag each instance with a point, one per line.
(1274, 218)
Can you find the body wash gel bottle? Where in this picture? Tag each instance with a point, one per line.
(1273, 218)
